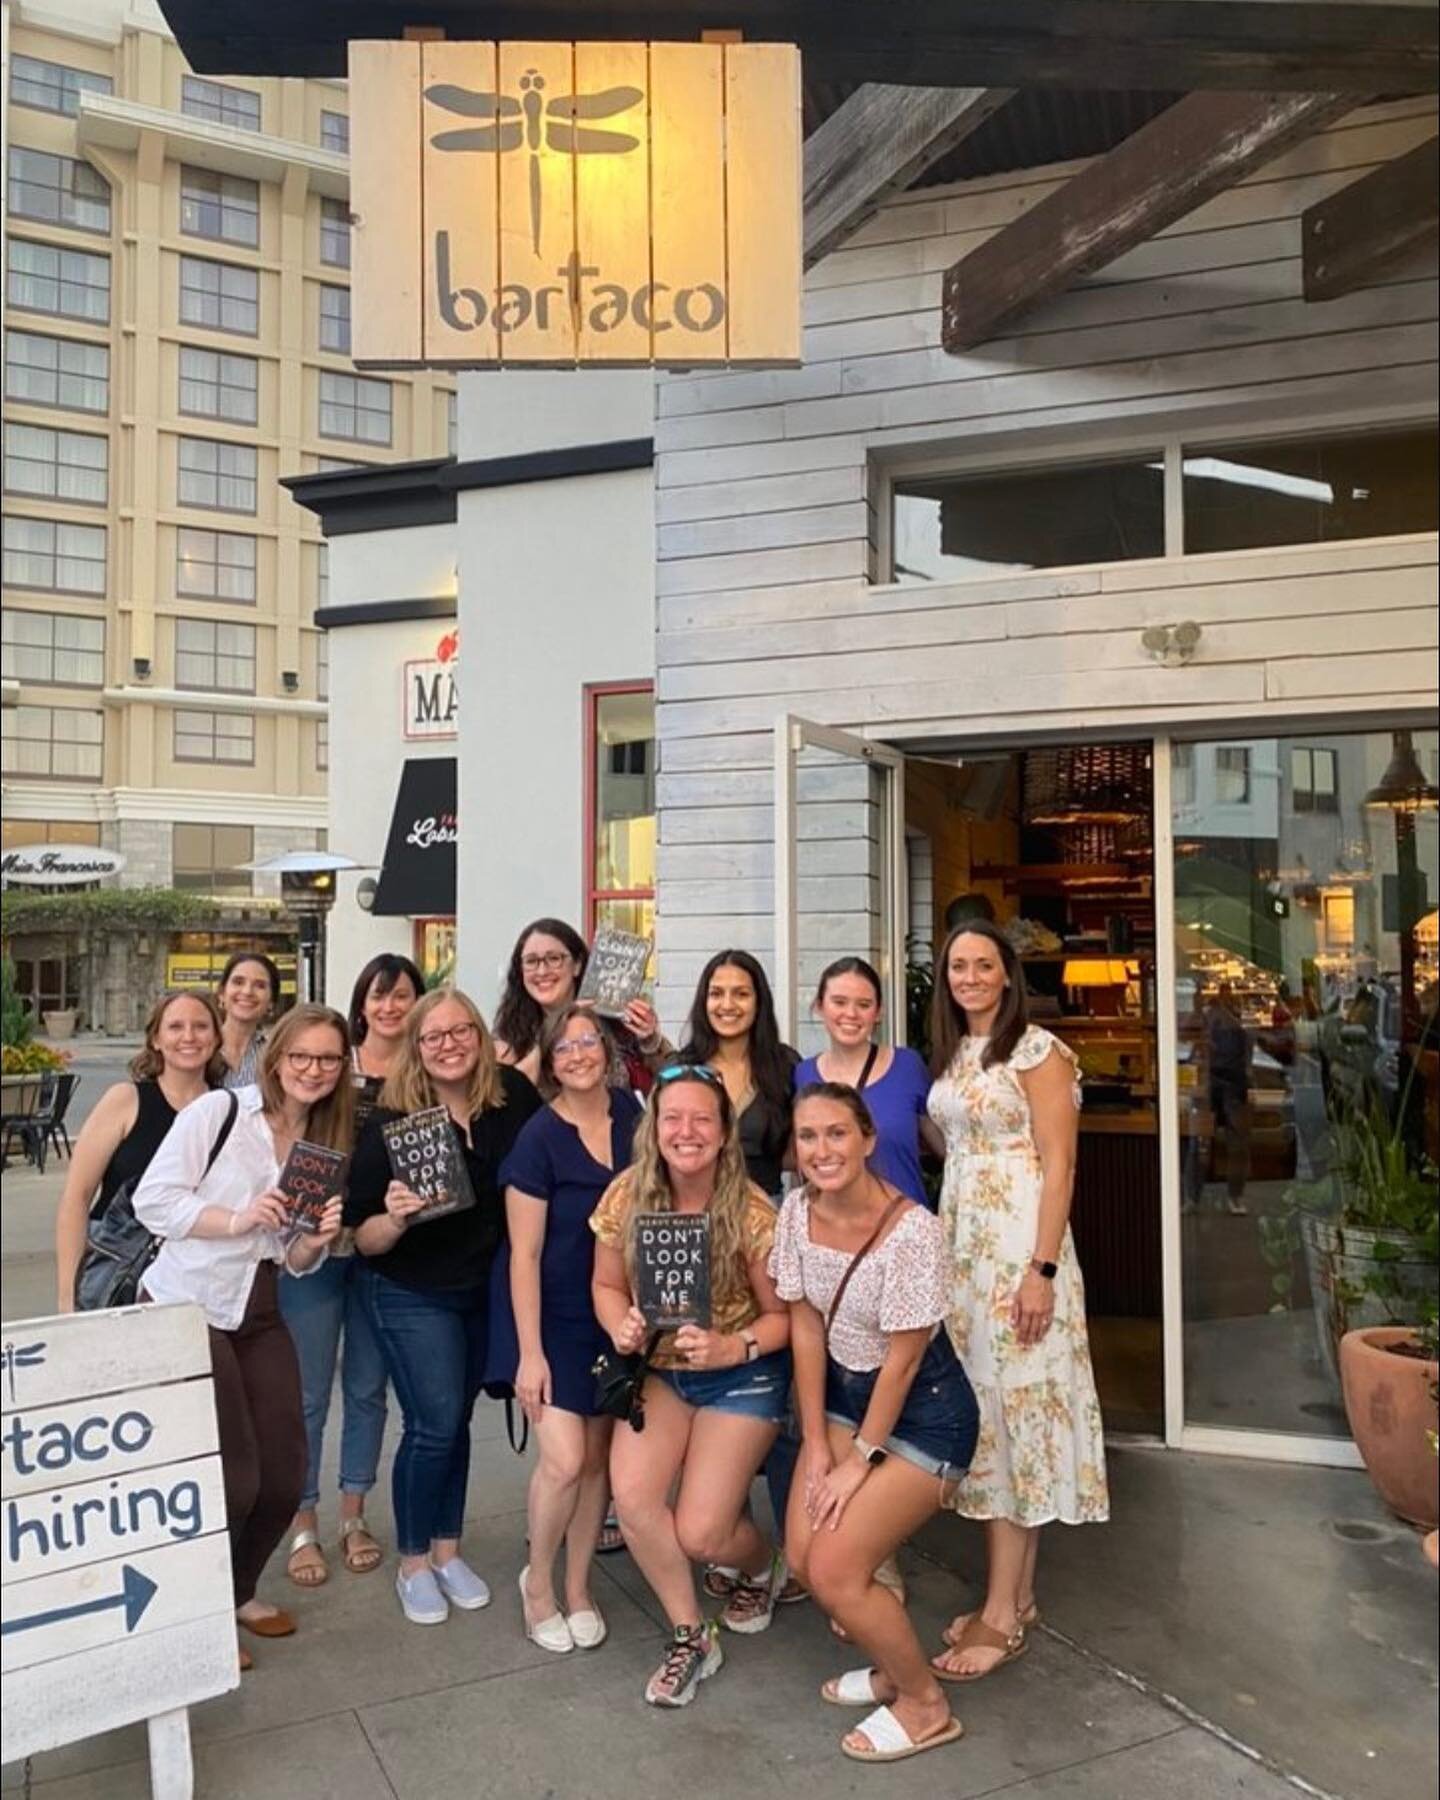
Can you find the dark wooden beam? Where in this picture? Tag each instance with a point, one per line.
(1197, 148)
(1340, 46)
(1366, 229)
(876, 144)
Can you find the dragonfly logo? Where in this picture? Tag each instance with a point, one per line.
(534, 123)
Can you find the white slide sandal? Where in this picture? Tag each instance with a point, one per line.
(856, 1687)
(891, 1742)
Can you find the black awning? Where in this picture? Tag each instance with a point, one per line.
(417, 878)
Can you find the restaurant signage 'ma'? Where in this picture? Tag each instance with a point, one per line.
(555, 204)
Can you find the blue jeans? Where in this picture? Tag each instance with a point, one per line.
(434, 1344)
(318, 1308)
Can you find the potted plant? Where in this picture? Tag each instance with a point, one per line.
(59, 1024)
(1389, 1377)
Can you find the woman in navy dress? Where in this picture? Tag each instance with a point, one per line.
(544, 1334)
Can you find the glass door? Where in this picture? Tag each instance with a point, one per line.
(839, 868)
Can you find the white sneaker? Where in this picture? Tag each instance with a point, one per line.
(421, 1600)
(460, 1585)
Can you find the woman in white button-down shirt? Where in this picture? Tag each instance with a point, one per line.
(223, 1235)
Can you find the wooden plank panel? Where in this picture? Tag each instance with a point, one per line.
(145, 1428)
(612, 187)
(763, 531)
(763, 204)
(1343, 679)
(111, 1515)
(461, 202)
(762, 568)
(51, 1361)
(386, 251)
(687, 182)
(537, 209)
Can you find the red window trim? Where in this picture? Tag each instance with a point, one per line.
(591, 694)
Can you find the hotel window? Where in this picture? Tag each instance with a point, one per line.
(57, 465)
(57, 649)
(67, 284)
(322, 575)
(353, 406)
(210, 859)
(63, 372)
(219, 296)
(214, 565)
(335, 319)
(65, 742)
(335, 233)
(620, 806)
(1314, 787)
(1232, 775)
(214, 737)
(224, 207)
(53, 87)
(215, 385)
(335, 132)
(222, 105)
(55, 558)
(57, 190)
(216, 475)
(322, 744)
(214, 657)
(322, 666)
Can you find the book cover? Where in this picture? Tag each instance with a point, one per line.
(425, 1154)
(312, 1176)
(615, 973)
(672, 1269)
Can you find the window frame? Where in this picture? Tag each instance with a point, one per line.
(85, 81)
(331, 138)
(591, 694)
(201, 98)
(212, 653)
(357, 382)
(56, 526)
(1314, 794)
(61, 344)
(60, 252)
(61, 435)
(12, 717)
(222, 447)
(61, 190)
(212, 864)
(204, 190)
(215, 562)
(334, 217)
(220, 385)
(327, 289)
(13, 613)
(221, 298)
(214, 715)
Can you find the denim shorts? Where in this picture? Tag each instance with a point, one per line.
(756, 1390)
(939, 1422)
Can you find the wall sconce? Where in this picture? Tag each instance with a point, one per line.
(290, 680)
(1171, 646)
(141, 666)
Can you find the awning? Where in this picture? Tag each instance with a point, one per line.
(417, 878)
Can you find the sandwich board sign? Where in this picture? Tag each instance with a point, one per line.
(559, 205)
(118, 1603)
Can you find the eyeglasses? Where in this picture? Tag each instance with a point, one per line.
(455, 1034)
(300, 1060)
(575, 1046)
(551, 960)
(691, 1072)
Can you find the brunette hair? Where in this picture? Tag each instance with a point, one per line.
(408, 1087)
(232, 963)
(519, 1017)
(148, 1063)
(850, 965)
(772, 1065)
(948, 1027)
(380, 973)
(844, 1095)
(331, 1121)
(554, 1029)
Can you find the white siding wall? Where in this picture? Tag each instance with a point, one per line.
(766, 523)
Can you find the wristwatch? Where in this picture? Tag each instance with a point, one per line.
(1048, 1270)
(873, 1454)
(752, 1345)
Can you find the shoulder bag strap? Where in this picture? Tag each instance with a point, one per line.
(224, 1134)
(864, 1081)
(859, 1257)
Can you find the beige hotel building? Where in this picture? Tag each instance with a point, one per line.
(177, 328)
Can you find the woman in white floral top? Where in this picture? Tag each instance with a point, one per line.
(1007, 1098)
(887, 1416)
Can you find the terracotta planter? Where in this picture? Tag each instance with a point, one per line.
(1388, 1403)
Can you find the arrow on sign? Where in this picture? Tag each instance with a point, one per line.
(136, 1593)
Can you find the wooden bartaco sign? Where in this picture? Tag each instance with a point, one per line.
(559, 204)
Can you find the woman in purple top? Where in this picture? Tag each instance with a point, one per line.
(895, 1082)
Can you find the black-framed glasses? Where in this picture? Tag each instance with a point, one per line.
(691, 1072)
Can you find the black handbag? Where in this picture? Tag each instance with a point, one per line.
(118, 1248)
(620, 1384)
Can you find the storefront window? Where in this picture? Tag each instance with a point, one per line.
(620, 788)
(1306, 875)
(435, 950)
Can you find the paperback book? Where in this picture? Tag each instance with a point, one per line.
(615, 973)
(426, 1156)
(311, 1178)
(672, 1269)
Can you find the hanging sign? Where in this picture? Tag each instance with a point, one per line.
(557, 204)
(432, 697)
(59, 865)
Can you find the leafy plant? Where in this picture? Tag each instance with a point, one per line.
(32, 1059)
(17, 1027)
(919, 989)
(107, 909)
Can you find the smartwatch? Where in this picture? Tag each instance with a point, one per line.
(872, 1454)
(752, 1345)
(1047, 1269)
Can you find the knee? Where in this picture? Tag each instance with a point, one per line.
(833, 1576)
(436, 1426)
(702, 1536)
(561, 1464)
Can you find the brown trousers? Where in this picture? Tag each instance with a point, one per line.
(262, 1430)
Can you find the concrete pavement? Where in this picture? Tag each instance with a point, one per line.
(1239, 1629)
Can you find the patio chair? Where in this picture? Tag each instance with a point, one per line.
(65, 1093)
(35, 1130)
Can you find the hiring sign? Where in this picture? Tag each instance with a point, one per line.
(118, 1598)
(557, 204)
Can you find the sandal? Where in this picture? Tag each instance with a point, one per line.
(952, 1633)
(312, 1573)
(359, 1559)
(977, 1635)
(856, 1687)
(891, 1742)
(611, 1537)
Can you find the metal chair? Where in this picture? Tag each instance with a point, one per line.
(64, 1094)
(34, 1132)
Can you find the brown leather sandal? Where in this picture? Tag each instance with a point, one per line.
(952, 1633)
(977, 1635)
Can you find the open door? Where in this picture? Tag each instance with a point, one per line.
(839, 869)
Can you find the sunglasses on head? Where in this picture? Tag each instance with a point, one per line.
(690, 1072)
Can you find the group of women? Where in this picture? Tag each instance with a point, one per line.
(878, 1360)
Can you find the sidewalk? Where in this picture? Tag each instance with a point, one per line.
(1240, 1629)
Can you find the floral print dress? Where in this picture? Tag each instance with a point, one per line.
(1041, 1453)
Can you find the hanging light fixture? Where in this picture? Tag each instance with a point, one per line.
(1403, 787)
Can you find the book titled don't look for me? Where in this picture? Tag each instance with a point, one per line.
(426, 1156)
(672, 1269)
(311, 1178)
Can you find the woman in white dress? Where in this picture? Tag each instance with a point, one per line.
(1007, 1097)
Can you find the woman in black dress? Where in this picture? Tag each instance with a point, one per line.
(181, 1061)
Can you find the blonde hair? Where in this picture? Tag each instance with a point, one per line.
(649, 1189)
(408, 1087)
(148, 1063)
(331, 1121)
